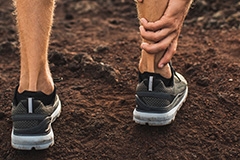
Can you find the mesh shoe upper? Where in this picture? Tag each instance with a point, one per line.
(152, 95)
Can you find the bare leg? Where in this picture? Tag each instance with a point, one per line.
(34, 20)
(152, 10)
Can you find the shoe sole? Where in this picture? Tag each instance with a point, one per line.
(158, 119)
(36, 142)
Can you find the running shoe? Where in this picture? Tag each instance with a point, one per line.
(156, 103)
(32, 121)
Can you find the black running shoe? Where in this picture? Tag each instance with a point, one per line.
(156, 103)
(32, 121)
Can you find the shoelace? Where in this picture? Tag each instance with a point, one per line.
(173, 71)
(57, 79)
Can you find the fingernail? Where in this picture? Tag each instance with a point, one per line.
(161, 65)
(143, 44)
(142, 20)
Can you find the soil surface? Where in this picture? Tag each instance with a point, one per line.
(94, 54)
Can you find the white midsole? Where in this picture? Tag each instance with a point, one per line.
(29, 142)
(158, 118)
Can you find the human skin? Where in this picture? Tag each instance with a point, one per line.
(34, 21)
(152, 10)
(161, 22)
(160, 25)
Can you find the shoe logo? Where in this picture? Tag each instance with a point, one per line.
(30, 105)
(150, 84)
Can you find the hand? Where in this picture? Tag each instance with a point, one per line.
(162, 35)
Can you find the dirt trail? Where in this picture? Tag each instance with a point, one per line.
(95, 49)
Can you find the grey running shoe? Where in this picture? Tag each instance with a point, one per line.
(156, 104)
(32, 122)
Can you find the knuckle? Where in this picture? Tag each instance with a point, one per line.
(143, 35)
(155, 38)
(175, 27)
(151, 50)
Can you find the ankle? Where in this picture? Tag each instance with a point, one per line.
(46, 88)
(164, 72)
(44, 84)
(39, 81)
(44, 98)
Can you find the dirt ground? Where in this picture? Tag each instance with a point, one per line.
(94, 54)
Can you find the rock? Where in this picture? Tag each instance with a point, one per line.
(84, 7)
(237, 88)
(218, 15)
(100, 48)
(7, 47)
(102, 70)
(234, 20)
(223, 97)
(85, 63)
(79, 61)
(78, 88)
(57, 59)
(201, 5)
(238, 5)
(204, 82)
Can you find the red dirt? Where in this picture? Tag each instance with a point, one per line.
(95, 49)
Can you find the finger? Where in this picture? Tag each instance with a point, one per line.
(155, 26)
(149, 35)
(169, 54)
(155, 36)
(154, 48)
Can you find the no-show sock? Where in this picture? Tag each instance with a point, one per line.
(44, 98)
